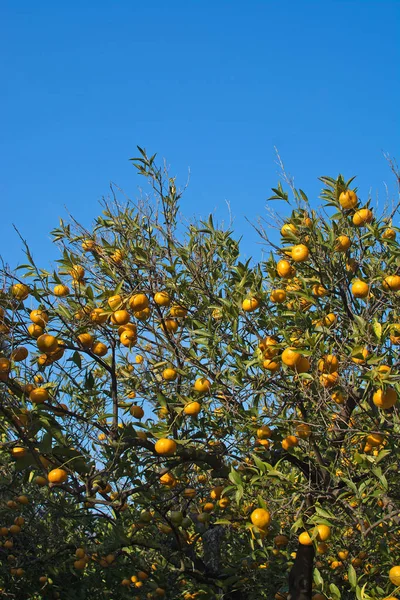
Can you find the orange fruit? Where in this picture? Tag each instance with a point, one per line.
(192, 408)
(385, 398)
(178, 311)
(250, 304)
(216, 492)
(360, 289)
(189, 493)
(170, 325)
(302, 365)
(98, 316)
(136, 411)
(360, 361)
(300, 253)
(348, 199)
(375, 439)
(169, 374)
(86, 340)
(115, 302)
(202, 385)
(99, 349)
(165, 447)
(39, 317)
(329, 380)
(40, 480)
(323, 532)
(264, 432)
(5, 365)
(351, 265)
(138, 302)
(392, 282)
(47, 343)
(285, 269)
(57, 476)
(162, 298)
(303, 430)
(290, 357)
(77, 273)
(305, 539)
(128, 338)
(289, 441)
(271, 365)
(338, 397)
(20, 291)
(18, 452)
(389, 234)
(168, 479)
(120, 317)
(142, 315)
(328, 364)
(289, 230)
(260, 517)
(267, 346)
(39, 395)
(278, 296)
(342, 243)
(35, 331)
(394, 575)
(19, 354)
(88, 245)
(319, 290)
(362, 217)
(61, 290)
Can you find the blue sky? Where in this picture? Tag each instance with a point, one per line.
(210, 86)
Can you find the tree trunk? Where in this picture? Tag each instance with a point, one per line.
(301, 574)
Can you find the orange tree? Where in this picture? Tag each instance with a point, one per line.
(178, 423)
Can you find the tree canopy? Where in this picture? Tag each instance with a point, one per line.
(177, 422)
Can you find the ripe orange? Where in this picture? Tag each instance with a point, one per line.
(328, 364)
(168, 479)
(394, 575)
(165, 447)
(77, 273)
(35, 331)
(351, 265)
(19, 354)
(136, 411)
(260, 517)
(177, 310)
(162, 298)
(5, 365)
(362, 217)
(169, 374)
(86, 339)
(392, 282)
(281, 541)
(143, 315)
(192, 408)
(40, 480)
(348, 199)
(115, 302)
(120, 317)
(39, 317)
(138, 302)
(250, 304)
(329, 380)
(189, 493)
(57, 476)
(303, 365)
(324, 532)
(47, 343)
(389, 234)
(305, 539)
(88, 245)
(360, 361)
(216, 492)
(375, 439)
(289, 441)
(271, 365)
(290, 357)
(385, 398)
(39, 395)
(99, 349)
(343, 243)
(202, 385)
(359, 289)
(278, 296)
(338, 397)
(285, 269)
(289, 230)
(300, 253)
(20, 291)
(18, 452)
(319, 290)
(128, 338)
(170, 325)
(98, 316)
(303, 430)
(267, 346)
(61, 290)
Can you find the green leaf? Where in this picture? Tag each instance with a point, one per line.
(319, 582)
(352, 575)
(335, 591)
(377, 328)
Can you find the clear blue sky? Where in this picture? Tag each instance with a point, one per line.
(210, 85)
